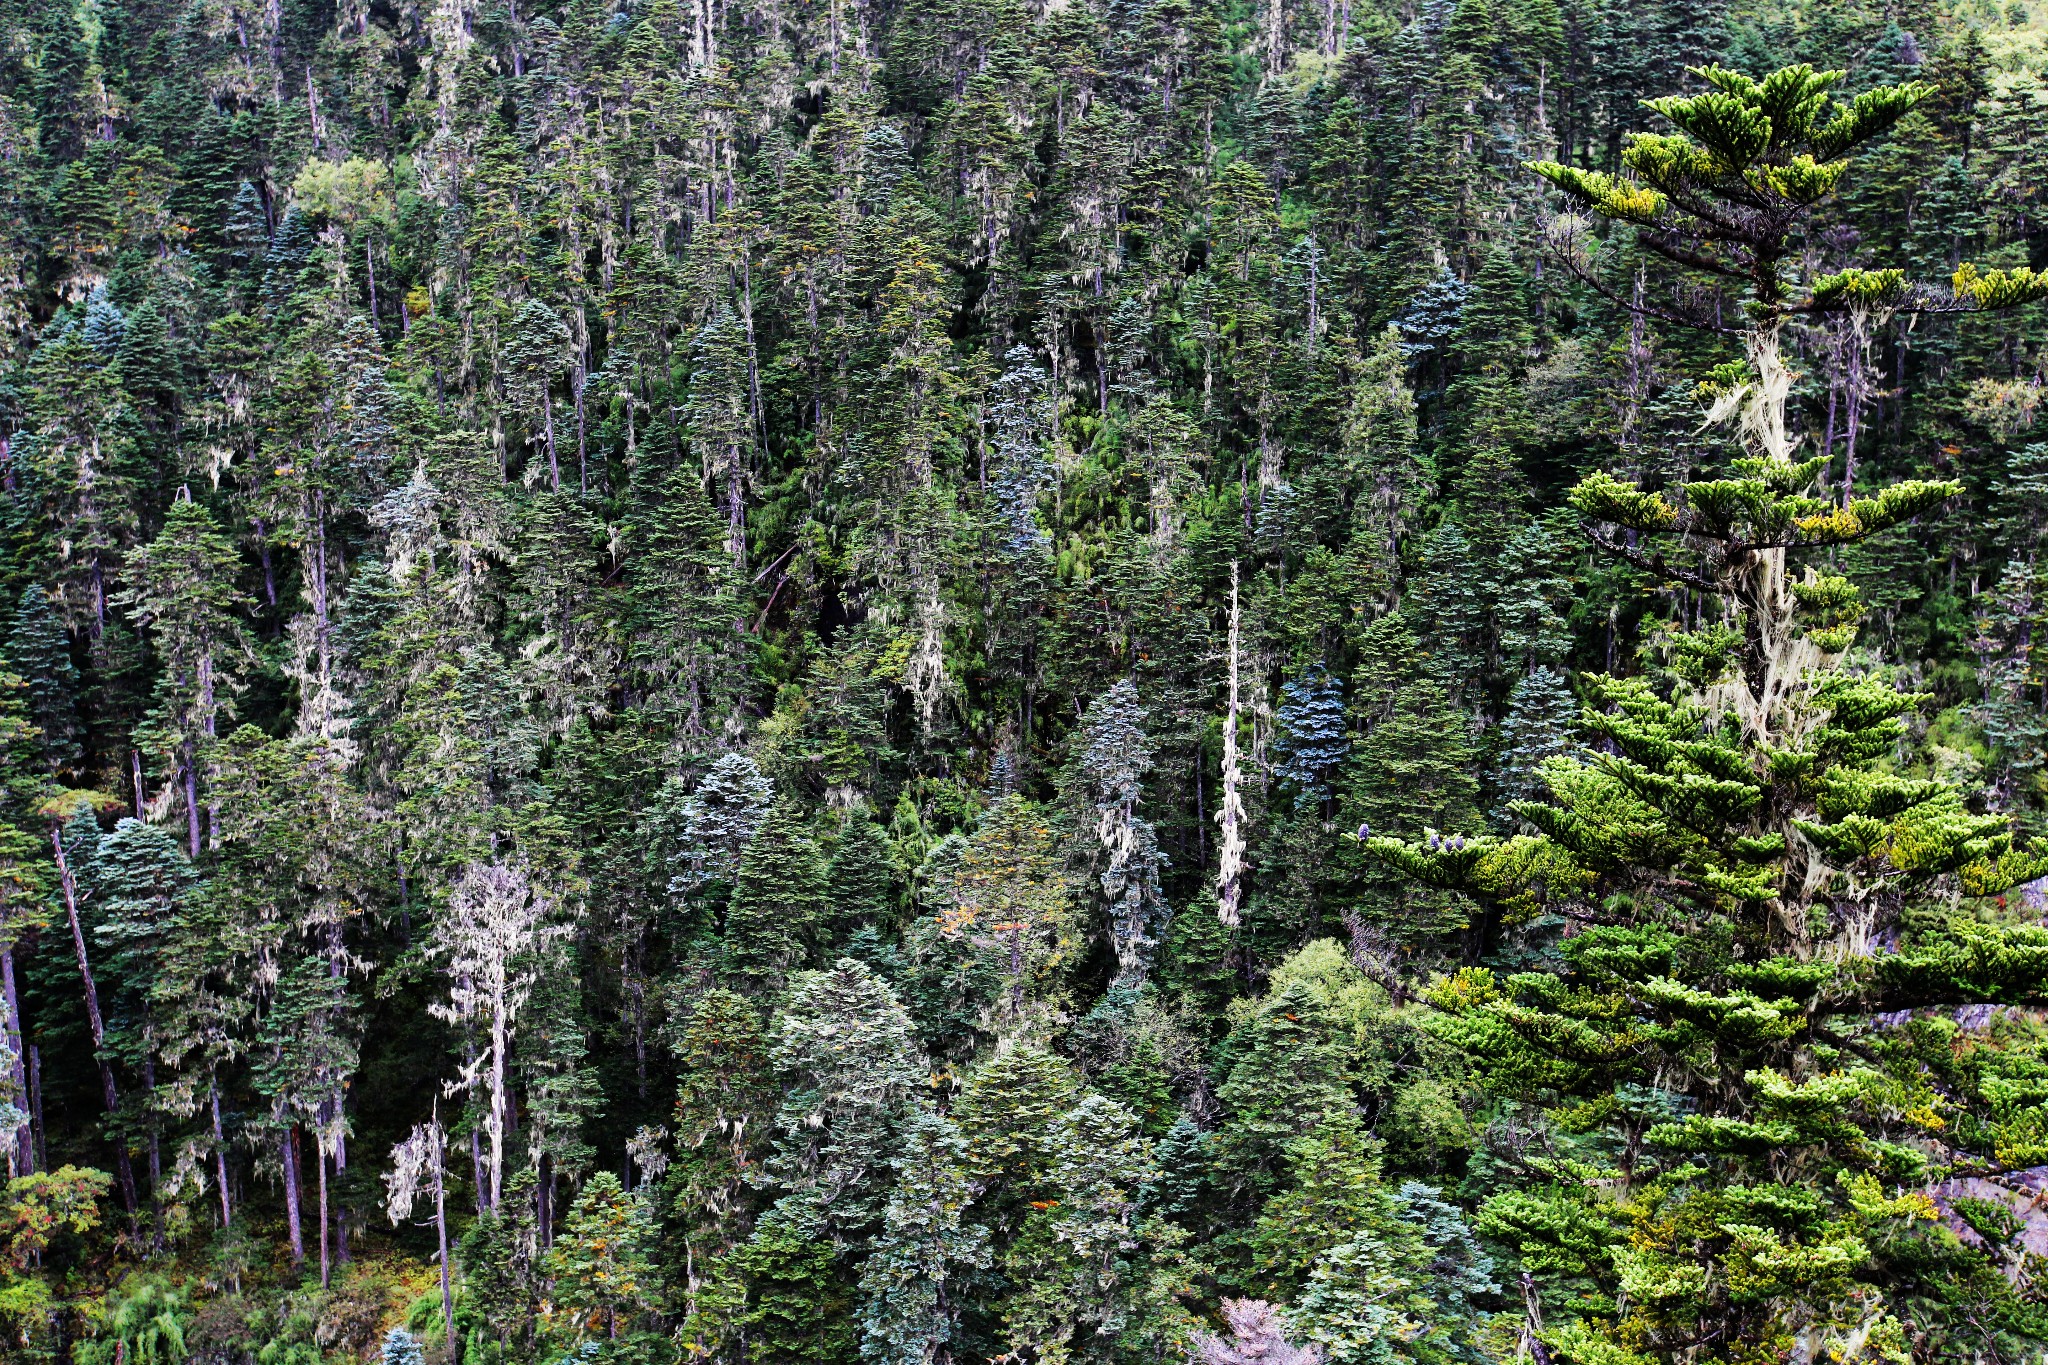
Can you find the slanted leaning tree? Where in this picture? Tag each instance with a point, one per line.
(1771, 902)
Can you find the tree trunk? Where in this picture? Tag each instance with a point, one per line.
(156, 1159)
(24, 1153)
(476, 1161)
(320, 1165)
(1230, 814)
(220, 1158)
(337, 967)
(582, 437)
(112, 1096)
(291, 1195)
(191, 764)
(497, 1123)
(35, 1104)
(547, 407)
(441, 1228)
(543, 1201)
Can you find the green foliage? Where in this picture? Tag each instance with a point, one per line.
(47, 1203)
(145, 1320)
(1046, 683)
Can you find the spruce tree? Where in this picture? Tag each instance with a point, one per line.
(1537, 728)
(861, 880)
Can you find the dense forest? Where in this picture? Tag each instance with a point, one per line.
(1025, 681)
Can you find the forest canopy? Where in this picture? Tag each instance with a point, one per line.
(1071, 683)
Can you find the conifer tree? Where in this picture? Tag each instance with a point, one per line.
(533, 357)
(861, 880)
(1314, 736)
(185, 595)
(24, 895)
(602, 1267)
(778, 900)
(137, 880)
(917, 490)
(910, 1313)
(1765, 884)
(79, 447)
(848, 1063)
(36, 645)
(722, 419)
(494, 940)
(418, 1165)
(1536, 729)
(725, 1100)
(1120, 848)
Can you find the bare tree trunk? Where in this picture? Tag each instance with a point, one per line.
(547, 408)
(337, 967)
(24, 1155)
(191, 766)
(156, 1161)
(543, 1200)
(291, 1195)
(1230, 814)
(476, 1160)
(35, 1104)
(499, 1043)
(441, 1228)
(220, 1158)
(582, 438)
(370, 272)
(320, 1164)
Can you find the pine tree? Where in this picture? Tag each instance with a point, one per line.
(722, 418)
(725, 1099)
(78, 443)
(861, 881)
(304, 1056)
(848, 1063)
(1008, 1110)
(532, 358)
(602, 1266)
(401, 1348)
(713, 824)
(1083, 1256)
(1288, 1074)
(137, 880)
(1003, 895)
(1417, 1279)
